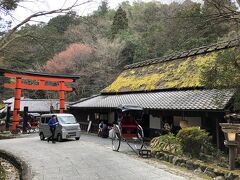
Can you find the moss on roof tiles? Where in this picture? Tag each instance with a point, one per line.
(185, 54)
(181, 70)
(179, 73)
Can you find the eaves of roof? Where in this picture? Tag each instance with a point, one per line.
(42, 74)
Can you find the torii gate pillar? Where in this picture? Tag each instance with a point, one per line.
(16, 110)
(39, 84)
(62, 97)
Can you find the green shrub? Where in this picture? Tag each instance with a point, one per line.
(1, 105)
(192, 140)
(168, 143)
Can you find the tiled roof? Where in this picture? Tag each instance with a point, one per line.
(43, 74)
(178, 71)
(168, 100)
(184, 54)
(38, 105)
(11, 100)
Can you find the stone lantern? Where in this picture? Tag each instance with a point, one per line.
(231, 131)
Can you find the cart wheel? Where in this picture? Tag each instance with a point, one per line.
(16, 131)
(28, 131)
(140, 138)
(19, 131)
(116, 139)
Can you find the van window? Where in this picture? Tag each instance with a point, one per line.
(42, 119)
(67, 119)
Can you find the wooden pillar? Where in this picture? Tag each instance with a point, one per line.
(232, 157)
(16, 111)
(62, 97)
(218, 134)
(8, 117)
(25, 119)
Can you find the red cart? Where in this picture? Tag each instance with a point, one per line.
(128, 128)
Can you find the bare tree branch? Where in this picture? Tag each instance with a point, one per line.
(5, 40)
(8, 42)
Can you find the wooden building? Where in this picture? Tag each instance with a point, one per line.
(170, 90)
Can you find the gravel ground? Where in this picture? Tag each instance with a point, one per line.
(89, 159)
(2, 173)
(10, 170)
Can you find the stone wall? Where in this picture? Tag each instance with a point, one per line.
(196, 166)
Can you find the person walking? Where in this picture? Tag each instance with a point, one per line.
(52, 123)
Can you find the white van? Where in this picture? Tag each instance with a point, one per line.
(67, 127)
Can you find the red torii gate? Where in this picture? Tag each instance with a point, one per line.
(41, 79)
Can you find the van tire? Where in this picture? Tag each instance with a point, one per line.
(77, 138)
(59, 137)
(42, 136)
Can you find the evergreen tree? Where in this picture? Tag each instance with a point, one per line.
(62, 22)
(120, 21)
(7, 5)
(103, 8)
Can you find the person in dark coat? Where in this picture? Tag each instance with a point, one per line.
(52, 123)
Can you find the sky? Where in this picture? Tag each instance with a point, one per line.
(29, 7)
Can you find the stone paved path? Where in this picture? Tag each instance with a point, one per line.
(89, 158)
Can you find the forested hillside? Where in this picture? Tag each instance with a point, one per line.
(98, 46)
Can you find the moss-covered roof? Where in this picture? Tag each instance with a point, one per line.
(181, 70)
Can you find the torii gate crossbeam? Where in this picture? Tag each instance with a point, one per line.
(41, 79)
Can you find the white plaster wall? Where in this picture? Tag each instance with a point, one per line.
(154, 122)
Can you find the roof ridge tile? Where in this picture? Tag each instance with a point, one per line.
(187, 53)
